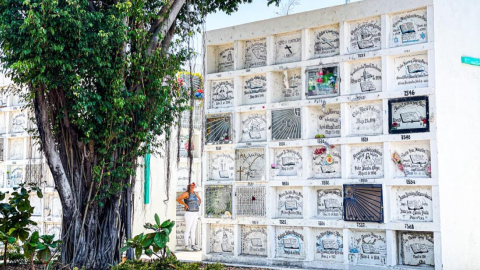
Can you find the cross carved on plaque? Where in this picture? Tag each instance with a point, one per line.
(288, 48)
(240, 172)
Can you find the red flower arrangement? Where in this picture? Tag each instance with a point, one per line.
(319, 151)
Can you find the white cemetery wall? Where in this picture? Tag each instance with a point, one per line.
(348, 132)
(455, 120)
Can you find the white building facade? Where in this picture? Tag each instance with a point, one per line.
(329, 138)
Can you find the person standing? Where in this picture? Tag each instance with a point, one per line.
(191, 201)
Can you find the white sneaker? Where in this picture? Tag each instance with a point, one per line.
(196, 248)
(187, 248)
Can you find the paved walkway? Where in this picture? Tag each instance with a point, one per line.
(188, 256)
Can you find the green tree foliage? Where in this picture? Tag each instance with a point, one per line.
(100, 79)
(15, 216)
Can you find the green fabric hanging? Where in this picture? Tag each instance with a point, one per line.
(147, 179)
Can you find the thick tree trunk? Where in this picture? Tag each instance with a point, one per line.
(92, 231)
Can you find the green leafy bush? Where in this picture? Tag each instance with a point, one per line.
(15, 215)
(167, 263)
(152, 243)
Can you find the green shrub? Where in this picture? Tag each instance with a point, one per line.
(167, 263)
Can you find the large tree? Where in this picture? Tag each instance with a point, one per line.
(100, 80)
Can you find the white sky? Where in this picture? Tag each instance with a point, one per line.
(258, 10)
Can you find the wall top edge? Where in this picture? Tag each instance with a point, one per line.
(312, 19)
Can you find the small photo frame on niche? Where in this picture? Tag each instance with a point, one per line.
(363, 203)
(408, 115)
(323, 81)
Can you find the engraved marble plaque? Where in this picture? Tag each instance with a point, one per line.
(221, 166)
(366, 77)
(55, 207)
(323, 81)
(250, 201)
(368, 248)
(254, 89)
(326, 164)
(367, 161)
(19, 122)
(365, 35)
(222, 239)
(417, 248)
(221, 94)
(3, 179)
(254, 241)
(415, 158)
(218, 129)
(408, 28)
(328, 121)
(33, 149)
(288, 48)
(287, 85)
(325, 41)
(254, 127)
(226, 56)
(366, 118)
(411, 71)
(288, 162)
(14, 176)
(180, 232)
(330, 203)
(286, 124)
(250, 164)
(36, 202)
(256, 53)
(3, 123)
(290, 242)
(290, 203)
(16, 149)
(329, 245)
(406, 115)
(218, 200)
(414, 204)
(3, 101)
(179, 209)
(34, 173)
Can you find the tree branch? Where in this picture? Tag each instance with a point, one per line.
(48, 144)
(165, 27)
(168, 38)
